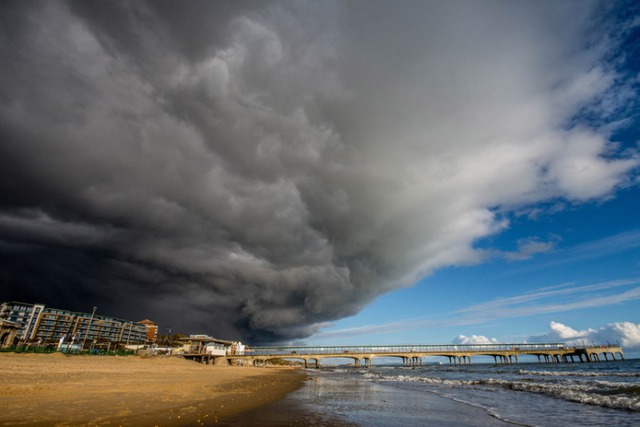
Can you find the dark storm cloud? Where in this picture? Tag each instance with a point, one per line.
(256, 169)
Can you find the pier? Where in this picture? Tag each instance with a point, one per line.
(415, 355)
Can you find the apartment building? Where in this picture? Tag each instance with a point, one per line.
(152, 330)
(23, 314)
(44, 325)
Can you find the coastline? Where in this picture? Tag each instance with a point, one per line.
(58, 389)
(340, 399)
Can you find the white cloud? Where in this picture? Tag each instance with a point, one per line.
(579, 169)
(555, 299)
(528, 247)
(626, 334)
(474, 339)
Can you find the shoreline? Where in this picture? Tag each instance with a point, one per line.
(58, 389)
(332, 399)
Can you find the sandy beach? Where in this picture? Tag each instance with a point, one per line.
(58, 389)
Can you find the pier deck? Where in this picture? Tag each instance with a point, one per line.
(414, 355)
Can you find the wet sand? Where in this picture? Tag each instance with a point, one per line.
(71, 390)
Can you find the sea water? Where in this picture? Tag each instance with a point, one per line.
(586, 394)
(479, 395)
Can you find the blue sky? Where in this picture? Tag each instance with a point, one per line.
(333, 172)
(589, 278)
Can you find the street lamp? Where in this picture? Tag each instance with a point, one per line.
(86, 332)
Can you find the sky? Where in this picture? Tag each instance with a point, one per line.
(335, 172)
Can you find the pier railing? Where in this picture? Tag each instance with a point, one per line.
(413, 354)
(395, 349)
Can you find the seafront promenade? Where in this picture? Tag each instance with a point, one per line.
(415, 355)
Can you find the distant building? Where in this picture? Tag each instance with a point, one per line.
(25, 315)
(37, 323)
(8, 332)
(152, 330)
(205, 349)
